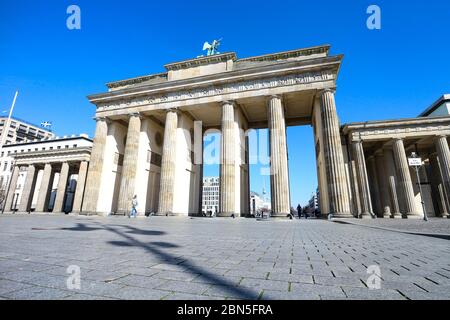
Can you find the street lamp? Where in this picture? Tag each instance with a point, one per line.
(416, 162)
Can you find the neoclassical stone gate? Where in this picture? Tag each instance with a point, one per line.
(145, 127)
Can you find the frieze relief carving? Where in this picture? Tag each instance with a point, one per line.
(236, 87)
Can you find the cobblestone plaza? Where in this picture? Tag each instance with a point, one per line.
(202, 258)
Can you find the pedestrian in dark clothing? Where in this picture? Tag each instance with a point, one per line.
(299, 211)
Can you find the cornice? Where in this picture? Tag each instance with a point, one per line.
(136, 80)
(325, 63)
(288, 54)
(196, 62)
(384, 124)
(80, 151)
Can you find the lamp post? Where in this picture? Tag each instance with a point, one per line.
(416, 162)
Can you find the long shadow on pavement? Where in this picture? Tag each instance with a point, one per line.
(238, 292)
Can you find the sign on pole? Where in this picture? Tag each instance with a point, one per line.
(415, 162)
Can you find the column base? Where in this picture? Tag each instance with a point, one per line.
(169, 214)
(227, 214)
(280, 215)
(387, 215)
(101, 214)
(341, 215)
(366, 215)
(396, 215)
(445, 216)
(414, 216)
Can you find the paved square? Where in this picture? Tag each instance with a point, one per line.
(201, 258)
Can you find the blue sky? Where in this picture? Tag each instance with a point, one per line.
(389, 73)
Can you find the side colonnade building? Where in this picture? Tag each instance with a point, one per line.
(48, 175)
(383, 183)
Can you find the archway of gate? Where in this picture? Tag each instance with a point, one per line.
(210, 186)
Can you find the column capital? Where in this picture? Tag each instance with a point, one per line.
(107, 120)
(274, 96)
(175, 110)
(325, 90)
(229, 102)
(135, 114)
(440, 136)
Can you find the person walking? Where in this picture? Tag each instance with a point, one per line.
(299, 210)
(134, 204)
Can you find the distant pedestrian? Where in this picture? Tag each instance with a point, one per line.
(299, 210)
(134, 204)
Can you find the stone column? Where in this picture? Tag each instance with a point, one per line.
(12, 189)
(62, 185)
(227, 204)
(363, 181)
(128, 182)
(168, 164)
(383, 185)
(95, 167)
(44, 189)
(391, 182)
(445, 211)
(405, 181)
(279, 172)
(27, 192)
(443, 154)
(79, 191)
(437, 189)
(374, 187)
(334, 158)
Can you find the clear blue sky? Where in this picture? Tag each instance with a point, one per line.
(394, 72)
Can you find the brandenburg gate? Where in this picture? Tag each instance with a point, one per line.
(145, 128)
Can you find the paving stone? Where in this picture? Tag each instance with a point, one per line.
(135, 293)
(99, 288)
(82, 296)
(372, 294)
(183, 286)
(37, 293)
(187, 296)
(317, 289)
(331, 281)
(140, 281)
(279, 295)
(7, 286)
(265, 284)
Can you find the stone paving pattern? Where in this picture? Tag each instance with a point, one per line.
(433, 225)
(220, 258)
